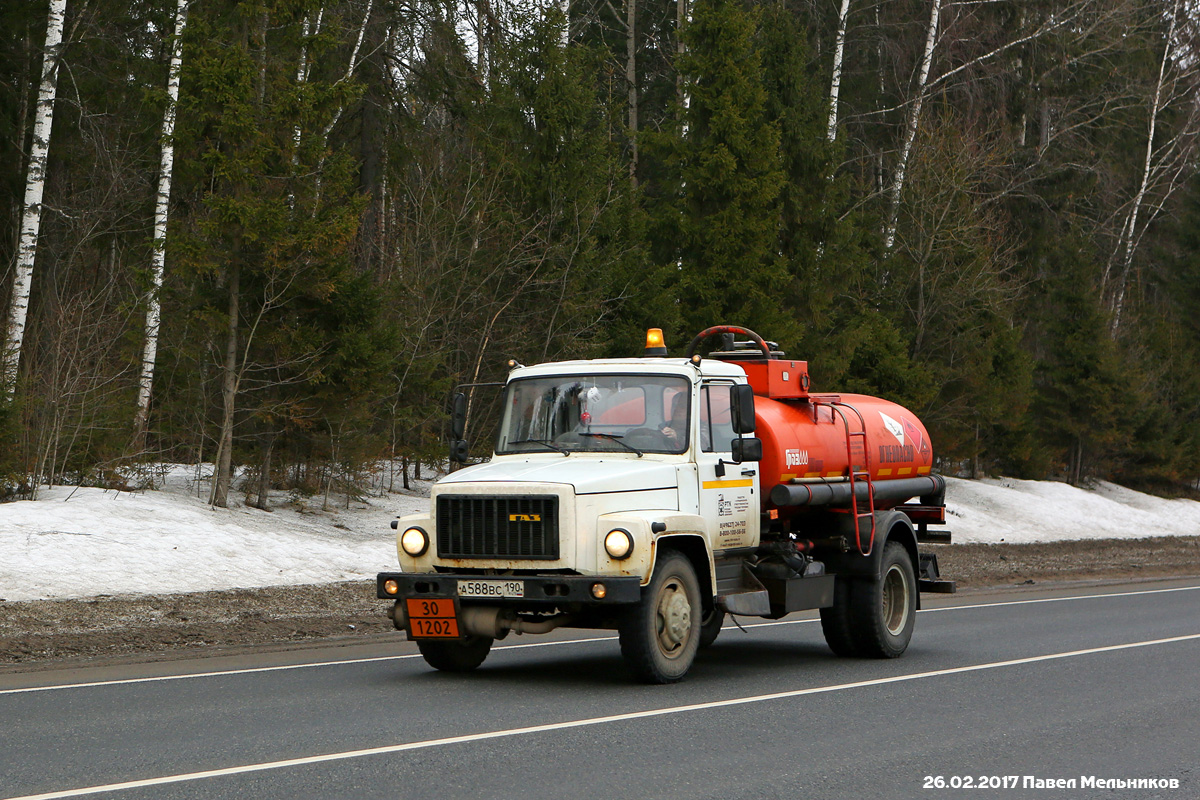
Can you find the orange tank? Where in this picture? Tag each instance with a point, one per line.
(806, 438)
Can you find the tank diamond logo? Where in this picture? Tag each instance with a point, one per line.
(919, 440)
(894, 427)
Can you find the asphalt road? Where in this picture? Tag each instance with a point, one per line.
(996, 688)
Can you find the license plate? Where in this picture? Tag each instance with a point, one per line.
(491, 588)
(432, 619)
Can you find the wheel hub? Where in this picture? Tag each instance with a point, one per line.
(674, 618)
(895, 600)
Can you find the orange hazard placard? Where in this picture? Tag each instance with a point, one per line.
(432, 619)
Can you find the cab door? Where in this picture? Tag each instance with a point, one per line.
(729, 493)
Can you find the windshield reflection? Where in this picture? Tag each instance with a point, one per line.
(596, 413)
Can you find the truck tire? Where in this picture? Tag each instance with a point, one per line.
(883, 612)
(835, 620)
(661, 634)
(455, 656)
(710, 626)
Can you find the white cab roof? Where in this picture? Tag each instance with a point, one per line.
(709, 368)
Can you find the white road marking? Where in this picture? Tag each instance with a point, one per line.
(582, 723)
(348, 662)
(1061, 599)
(282, 667)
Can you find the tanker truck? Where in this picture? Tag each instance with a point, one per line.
(656, 495)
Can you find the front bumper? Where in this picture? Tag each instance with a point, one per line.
(540, 590)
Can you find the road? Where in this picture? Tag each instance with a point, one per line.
(1041, 684)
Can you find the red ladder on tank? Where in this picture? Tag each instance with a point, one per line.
(857, 475)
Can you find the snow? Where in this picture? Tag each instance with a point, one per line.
(1013, 511)
(83, 542)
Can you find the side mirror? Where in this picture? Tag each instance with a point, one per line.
(458, 427)
(458, 416)
(742, 408)
(746, 450)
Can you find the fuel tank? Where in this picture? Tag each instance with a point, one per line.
(815, 439)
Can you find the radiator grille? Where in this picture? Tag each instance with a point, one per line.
(504, 526)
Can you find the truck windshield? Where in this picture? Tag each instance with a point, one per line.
(596, 413)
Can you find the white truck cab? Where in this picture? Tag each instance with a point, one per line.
(589, 446)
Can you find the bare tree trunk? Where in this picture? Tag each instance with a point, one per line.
(835, 83)
(880, 170)
(1131, 223)
(161, 210)
(223, 476)
(35, 182)
(264, 474)
(681, 12)
(631, 80)
(914, 121)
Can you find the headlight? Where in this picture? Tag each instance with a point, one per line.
(414, 541)
(618, 543)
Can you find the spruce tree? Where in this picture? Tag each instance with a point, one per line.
(731, 174)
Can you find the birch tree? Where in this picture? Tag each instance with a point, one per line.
(161, 211)
(910, 128)
(307, 30)
(835, 83)
(1164, 165)
(35, 182)
(362, 32)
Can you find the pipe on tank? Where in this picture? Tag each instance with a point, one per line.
(836, 494)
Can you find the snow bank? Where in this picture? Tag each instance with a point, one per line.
(80, 542)
(1015, 511)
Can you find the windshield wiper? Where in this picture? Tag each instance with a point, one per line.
(614, 437)
(544, 443)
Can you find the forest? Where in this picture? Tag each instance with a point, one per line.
(274, 235)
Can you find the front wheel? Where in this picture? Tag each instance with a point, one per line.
(455, 656)
(710, 626)
(660, 635)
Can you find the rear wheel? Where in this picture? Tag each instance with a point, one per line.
(874, 618)
(660, 635)
(884, 611)
(835, 620)
(455, 656)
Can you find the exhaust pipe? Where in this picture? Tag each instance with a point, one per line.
(497, 623)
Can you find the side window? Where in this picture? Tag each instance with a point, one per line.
(716, 422)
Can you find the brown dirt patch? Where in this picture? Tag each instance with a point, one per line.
(49, 633)
(979, 565)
